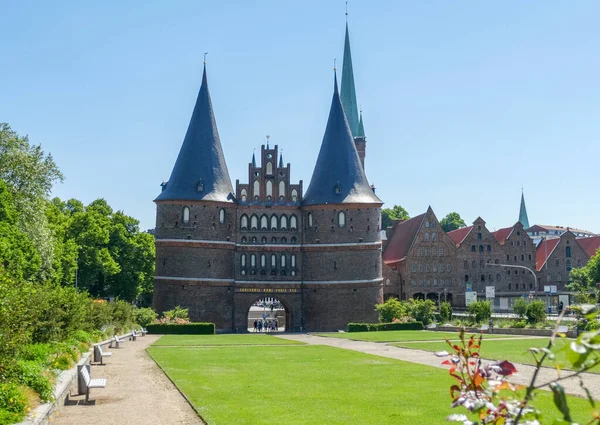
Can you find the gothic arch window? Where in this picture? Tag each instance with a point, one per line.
(466, 278)
(427, 224)
(480, 248)
(274, 222)
(293, 240)
(342, 219)
(263, 239)
(263, 260)
(294, 195)
(254, 222)
(244, 222)
(243, 260)
(282, 260)
(569, 264)
(426, 235)
(269, 168)
(310, 219)
(557, 263)
(186, 215)
(273, 260)
(516, 286)
(253, 260)
(284, 240)
(293, 223)
(273, 239)
(283, 222)
(293, 261)
(433, 236)
(434, 282)
(256, 188)
(244, 195)
(489, 248)
(281, 189)
(264, 222)
(253, 239)
(568, 251)
(244, 239)
(269, 188)
(221, 216)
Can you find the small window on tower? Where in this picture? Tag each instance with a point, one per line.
(186, 215)
(337, 189)
(200, 186)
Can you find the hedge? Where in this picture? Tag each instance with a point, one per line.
(186, 329)
(373, 327)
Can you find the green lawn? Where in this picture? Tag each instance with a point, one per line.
(209, 340)
(513, 350)
(293, 385)
(393, 336)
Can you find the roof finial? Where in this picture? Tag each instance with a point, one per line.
(205, 53)
(268, 137)
(334, 68)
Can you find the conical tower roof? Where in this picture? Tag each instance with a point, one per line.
(338, 177)
(348, 91)
(200, 172)
(523, 219)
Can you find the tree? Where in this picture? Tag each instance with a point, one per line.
(390, 310)
(452, 222)
(388, 214)
(585, 280)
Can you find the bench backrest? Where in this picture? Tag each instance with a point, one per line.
(134, 333)
(86, 375)
(485, 327)
(563, 329)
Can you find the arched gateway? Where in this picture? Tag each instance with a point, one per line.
(219, 249)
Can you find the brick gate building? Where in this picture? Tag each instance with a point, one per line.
(218, 250)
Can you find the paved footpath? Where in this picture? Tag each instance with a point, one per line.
(137, 393)
(525, 372)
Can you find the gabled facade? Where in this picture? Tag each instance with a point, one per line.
(557, 257)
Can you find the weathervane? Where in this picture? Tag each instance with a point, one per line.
(346, 11)
(205, 53)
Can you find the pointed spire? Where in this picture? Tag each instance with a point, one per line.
(361, 127)
(348, 91)
(523, 219)
(253, 160)
(200, 172)
(281, 160)
(338, 176)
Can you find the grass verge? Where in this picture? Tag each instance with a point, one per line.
(213, 340)
(393, 336)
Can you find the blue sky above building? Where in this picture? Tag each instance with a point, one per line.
(464, 102)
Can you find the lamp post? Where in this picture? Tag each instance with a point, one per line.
(517, 267)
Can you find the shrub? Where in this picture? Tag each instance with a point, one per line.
(33, 374)
(390, 310)
(421, 310)
(520, 324)
(188, 328)
(536, 312)
(520, 307)
(144, 316)
(122, 315)
(395, 326)
(177, 313)
(445, 312)
(480, 311)
(36, 352)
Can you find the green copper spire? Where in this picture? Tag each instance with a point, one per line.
(523, 213)
(348, 92)
(361, 127)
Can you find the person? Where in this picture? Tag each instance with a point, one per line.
(560, 307)
(260, 326)
(491, 323)
(255, 325)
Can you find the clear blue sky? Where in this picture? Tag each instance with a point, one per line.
(463, 102)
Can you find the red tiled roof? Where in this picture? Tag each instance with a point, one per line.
(459, 235)
(590, 245)
(543, 251)
(402, 239)
(501, 234)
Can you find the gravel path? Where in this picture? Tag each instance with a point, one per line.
(525, 372)
(137, 393)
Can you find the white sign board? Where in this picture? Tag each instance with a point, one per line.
(470, 297)
(553, 289)
(546, 289)
(490, 292)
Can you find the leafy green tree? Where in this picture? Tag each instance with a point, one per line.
(421, 310)
(388, 214)
(584, 281)
(520, 307)
(536, 312)
(390, 310)
(480, 311)
(445, 311)
(452, 222)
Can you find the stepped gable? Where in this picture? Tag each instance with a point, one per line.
(200, 172)
(338, 177)
(402, 239)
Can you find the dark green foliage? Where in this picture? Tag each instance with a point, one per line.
(520, 307)
(33, 374)
(452, 221)
(374, 327)
(389, 214)
(445, 311)
(13, 400)
(421, 310)
(536, 312)
(480, 311)
(185, 329)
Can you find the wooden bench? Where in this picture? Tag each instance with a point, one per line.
(117, 341)
(89, 382)
(99, 354)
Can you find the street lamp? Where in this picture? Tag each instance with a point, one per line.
(512, 266)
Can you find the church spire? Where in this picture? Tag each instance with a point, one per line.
(200, 172)
(281, 160)
(348, 91)
(253, 160)
(361, 128)
(338, 176)
(523, 219)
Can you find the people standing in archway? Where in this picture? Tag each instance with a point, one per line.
(255, 325)
(260, 326)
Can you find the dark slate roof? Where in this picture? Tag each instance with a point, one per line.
(200, 161)
(338, 177)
